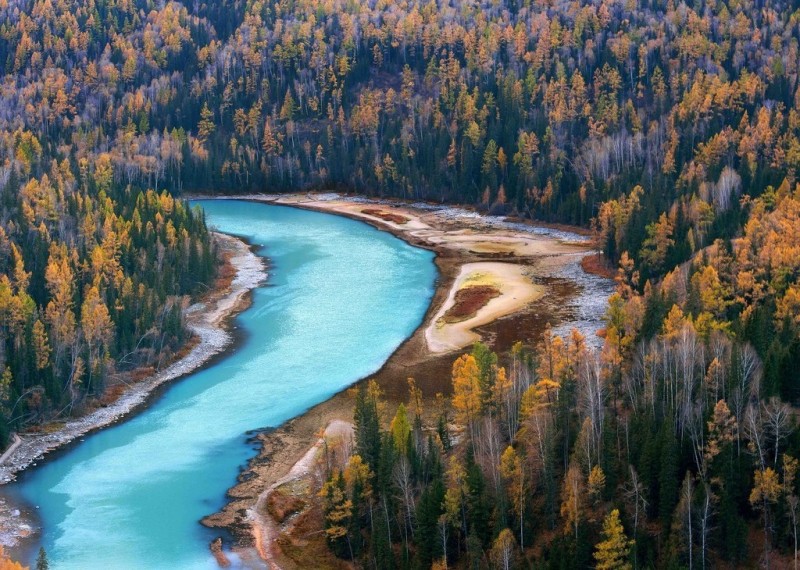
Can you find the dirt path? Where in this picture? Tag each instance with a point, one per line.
(264, 528)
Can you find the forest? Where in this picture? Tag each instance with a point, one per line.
(558, 456)
(92, 285)
(671, 128)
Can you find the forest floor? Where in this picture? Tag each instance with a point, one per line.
(207, 320)
(525, 277)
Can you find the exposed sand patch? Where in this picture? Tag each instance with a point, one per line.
(482, 242)
(515, 291)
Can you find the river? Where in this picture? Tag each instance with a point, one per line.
(340, 297)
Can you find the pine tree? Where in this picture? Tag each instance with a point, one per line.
(41, 560)
(367, 428)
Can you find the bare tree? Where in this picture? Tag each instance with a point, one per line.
(402, 478)
(754, 432)
(748, 383)
(635, 499)
(443, 524)
(688, 492)
(776, 417)
(592, 397)
(706, 512)
(488, 450)
(792, 501)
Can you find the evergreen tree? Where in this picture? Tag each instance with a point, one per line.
(367, 428)
(41, 560)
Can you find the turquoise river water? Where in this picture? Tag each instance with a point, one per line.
(340, 297)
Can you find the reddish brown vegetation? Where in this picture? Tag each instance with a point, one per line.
(304, 543)
(226, 272)
(597, 264)
(219, 555)
(280, 506)
(468, 301)
(385, 216)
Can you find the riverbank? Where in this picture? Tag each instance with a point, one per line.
(208, 322)
(530, 277)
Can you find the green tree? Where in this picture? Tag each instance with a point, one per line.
(401, 430)
(367, 428)
(41, 560)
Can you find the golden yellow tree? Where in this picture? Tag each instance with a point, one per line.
(502, 553)
(7, 564)
(722, 429)
(41, 346)
(766, 490)
(97, 327)
(596, 484)
(466, 391)
(612, 552)
(572, 499)
(513, 473)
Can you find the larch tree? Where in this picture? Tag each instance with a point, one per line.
(612, 552)
(467, 392)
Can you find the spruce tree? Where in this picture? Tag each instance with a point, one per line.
(41, 560)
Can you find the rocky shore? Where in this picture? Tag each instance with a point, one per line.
(548, 287)
(207, 322)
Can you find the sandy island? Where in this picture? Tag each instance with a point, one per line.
(498, 289)
(207, 320)
(499, 282)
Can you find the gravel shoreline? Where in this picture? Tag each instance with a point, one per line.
(458, 236)
(206, 320)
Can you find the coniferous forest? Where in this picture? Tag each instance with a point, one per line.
(671, 128)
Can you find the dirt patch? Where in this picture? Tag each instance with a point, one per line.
(385, 216)
(281, 505)
(304, 544)
(468, 301)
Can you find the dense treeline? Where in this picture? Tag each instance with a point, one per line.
(673, 127)
(548, 109)
(566, 458)
(666, 124)
(671, 446)
(93, 280)
(94, 269)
